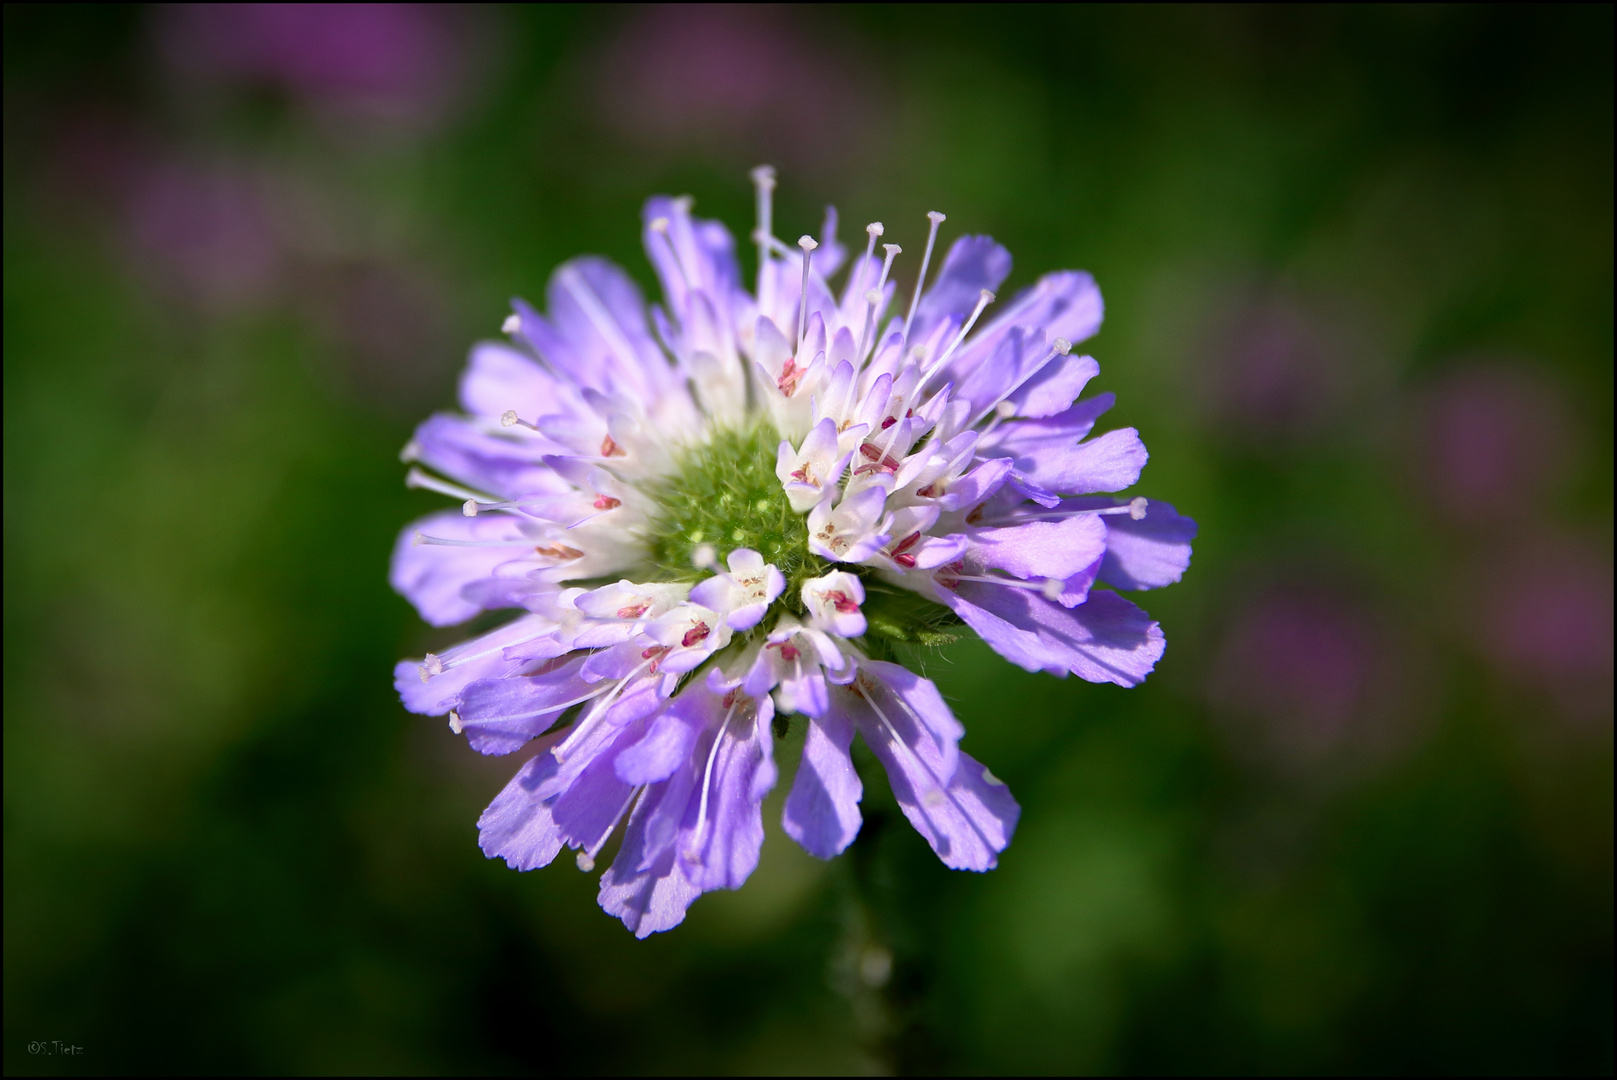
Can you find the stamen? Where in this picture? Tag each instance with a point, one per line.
(586, 859)
(856, 279)
(595, 713)
(1050, 587)
(983, 300)
(872, 298)
(935, 796)
(693, 853)
(512, 323)
(763, 179)
(444, 541)
(444, 665)
(509, 418)
(704, 556)
(419, 479)
(1135, 508)
(1059, 347)
(926, 260)
(808, 244)
(660, 227)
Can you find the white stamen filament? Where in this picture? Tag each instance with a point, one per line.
(763, 179)
(586, 859)
(932, 798)
(857, 278)
(808, 244)
(1135, 508)
(586, 519)
(659, 227)
(564, 748)
(422, 538)
(1060, 347)
(1041, 585)
(872, 298)
(983, 300)
(445, 665)
(694, 852)
(920, 281)
(418, 479)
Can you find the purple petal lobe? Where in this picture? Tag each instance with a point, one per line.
(967, 820)
(650, 898)
(723, 831)
(499, 716)
(918, 699)
(433, 686)
(822, 811)
(1104, 639)
(433, 577)
(1042, 549)
(667, 745)
(1145, 554)
(504, 465)
(974, 263)
(517, 825)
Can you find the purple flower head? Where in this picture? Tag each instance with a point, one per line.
(717, 515)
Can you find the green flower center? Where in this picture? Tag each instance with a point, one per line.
(724, 493)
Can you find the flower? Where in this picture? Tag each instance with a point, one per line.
(866, 479)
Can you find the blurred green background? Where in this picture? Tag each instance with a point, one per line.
(1358, 268)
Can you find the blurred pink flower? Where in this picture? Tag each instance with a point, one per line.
(1308, 679)
(742, 80)
(391, 62)
(1550, 626)
(1495, 439)
(1273, 368)
(203, 231)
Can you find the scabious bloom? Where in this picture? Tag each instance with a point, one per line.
(720, 513)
